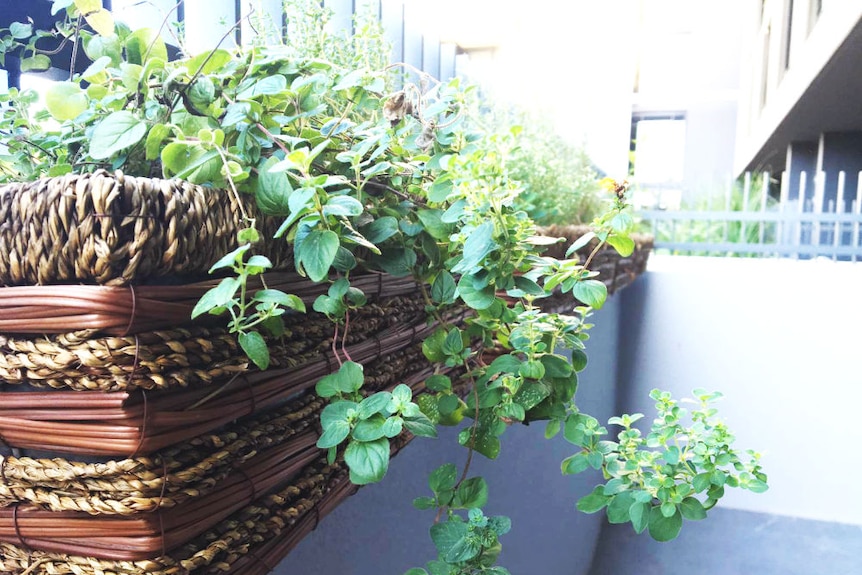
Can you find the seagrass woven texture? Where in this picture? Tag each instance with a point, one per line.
(115, 229)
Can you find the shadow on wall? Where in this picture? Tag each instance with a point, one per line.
(378, 532)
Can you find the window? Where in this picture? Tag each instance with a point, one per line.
(659, 149)
(658, 160)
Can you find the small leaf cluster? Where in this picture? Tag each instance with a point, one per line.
(248, 312)
(366, 424)
(465, 545)
(675, 472)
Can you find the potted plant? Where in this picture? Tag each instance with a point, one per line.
(359, 175)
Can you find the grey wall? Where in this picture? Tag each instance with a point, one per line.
(780, 338)
(378, 532)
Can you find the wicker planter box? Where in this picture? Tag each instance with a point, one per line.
(161, 450)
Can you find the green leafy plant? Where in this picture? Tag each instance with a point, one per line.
(675, 472)
(365, 176)
(560, 184)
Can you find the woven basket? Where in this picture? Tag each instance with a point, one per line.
(114, 229)
(130, 309)
(188, 469)
(137, 536)
(124, 423)
(180, 357)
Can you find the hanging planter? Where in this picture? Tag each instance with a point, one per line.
(272, 161)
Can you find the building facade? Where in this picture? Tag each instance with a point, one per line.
(799, 106)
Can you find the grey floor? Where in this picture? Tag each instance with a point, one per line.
(732, 542)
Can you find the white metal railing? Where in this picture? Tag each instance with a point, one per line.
(806, 222)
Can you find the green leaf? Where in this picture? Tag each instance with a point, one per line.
(380, 229)
(398, 262)
(393, 426)
(552, 429)
(439, 382)
(273, 190)
(454, 343)
(485, 443)
(145, 43)
(757, 486)
(20, 30)
(191, 162)
(591, 292)
(420, 425)
(479, 244)
(528, 287)
(367, 460)
(65, 100)
(435, 227)
(579, 243)
(443, 288)
(155, 137)
(266, 86)
(504, 364)
(101, 21)
(369, 429)
(471, 493)
(574, 464)
(476, 299)
(639, 514)
(278, 297)
(556, 366)
(334, 434)
(443, 478)
(622, 243)
(340, 410)
(619, 509)
(117, 131)
(375, 403)
(423, 503)
(36, 63)
(317, 253)
(228, 260)
(255, 348)
(343, 206)
(663, 528)
(299, 202)
(450, 538)
(208, 62)
(432, 347)
(692, 509)
(671, 456)
(402, 393)
(219, 296)
(593, 502)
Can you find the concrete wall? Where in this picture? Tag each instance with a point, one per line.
(378, 531)
(780, 339)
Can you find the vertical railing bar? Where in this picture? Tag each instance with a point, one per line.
(817, 208)
(782, 208)
(727, 193)
(764, 193)
(857, 209)
(746, 194)
(839, 209)
(803, 183)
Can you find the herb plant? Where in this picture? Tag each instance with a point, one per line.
(367, 176)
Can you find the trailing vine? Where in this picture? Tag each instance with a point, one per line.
(370, 177)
